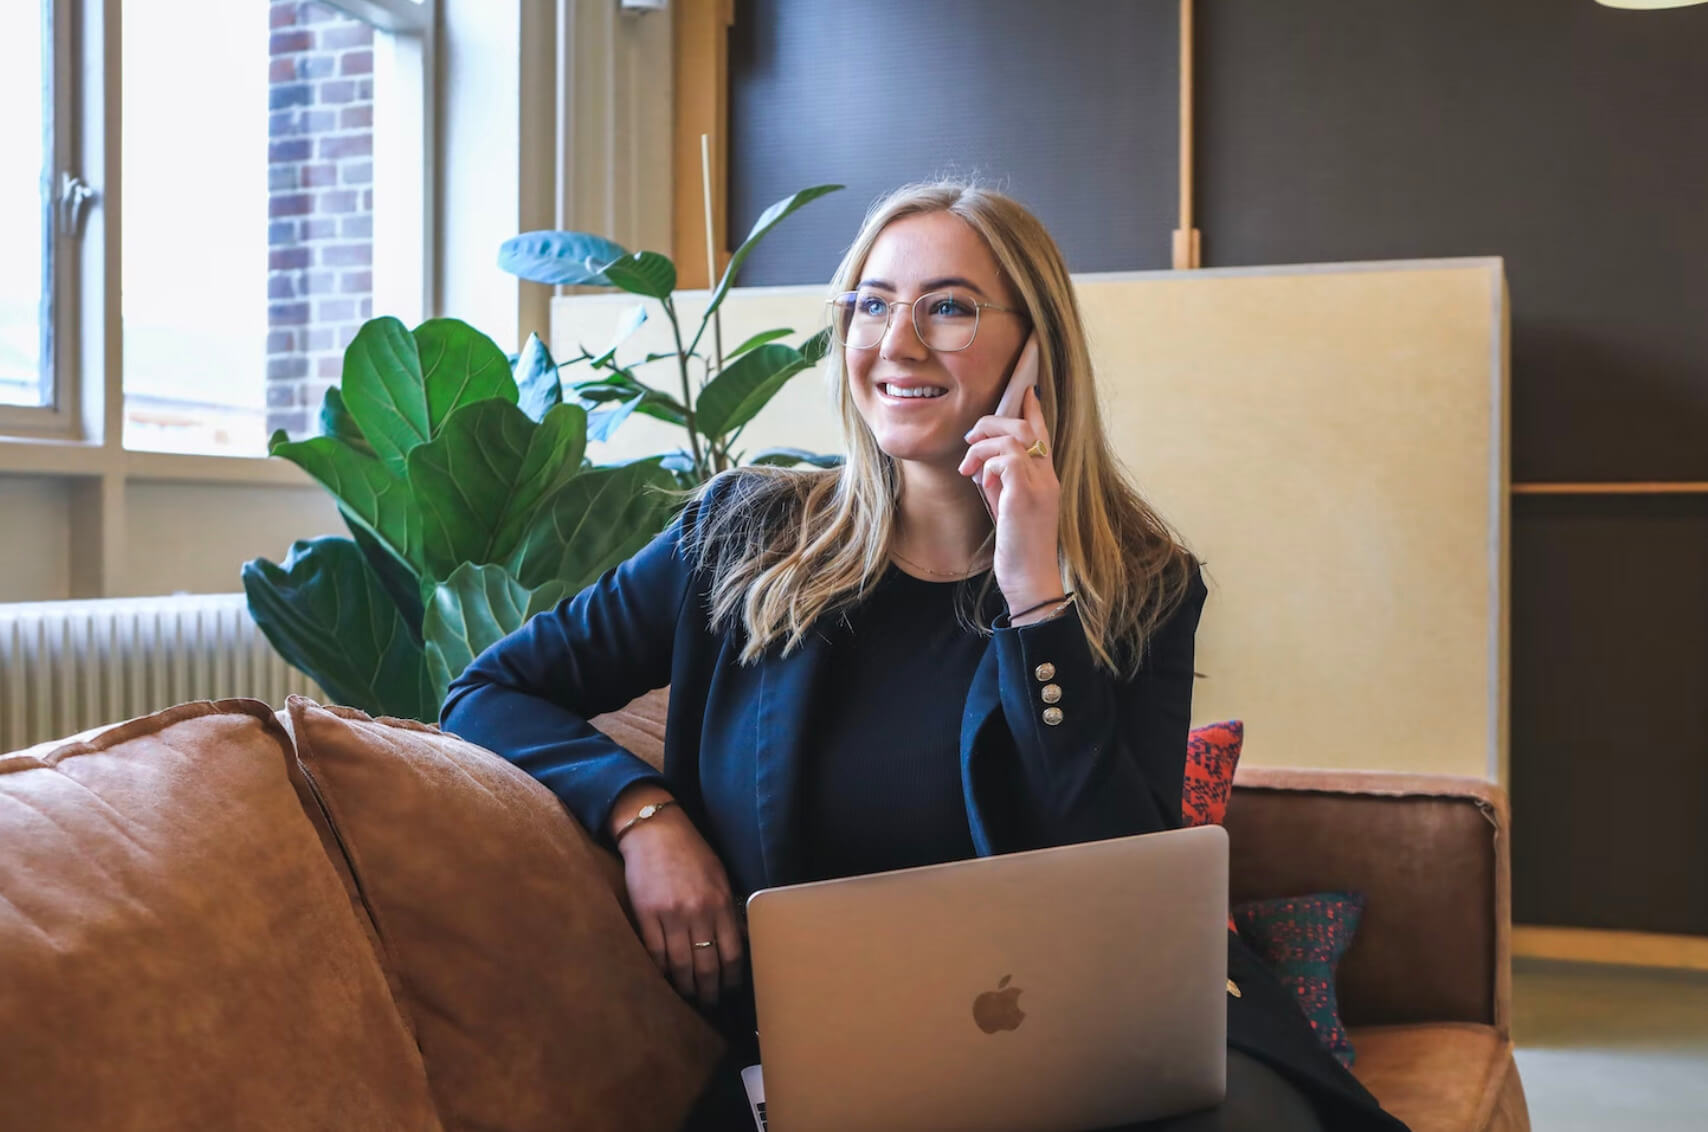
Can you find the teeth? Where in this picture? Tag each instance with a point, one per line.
(921, 391)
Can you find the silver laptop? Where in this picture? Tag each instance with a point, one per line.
(1062, 989)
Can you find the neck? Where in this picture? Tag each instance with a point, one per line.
(940, 523)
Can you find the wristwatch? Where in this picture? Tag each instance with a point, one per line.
(645, 812)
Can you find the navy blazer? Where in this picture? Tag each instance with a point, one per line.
(1111, 767)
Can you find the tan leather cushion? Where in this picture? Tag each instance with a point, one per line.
(638, 726)
(176, 950)
(1442, 1076)
(535, 1004)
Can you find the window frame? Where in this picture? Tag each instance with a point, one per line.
(85, 409)
(55, 417)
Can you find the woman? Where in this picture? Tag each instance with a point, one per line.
(873, 667)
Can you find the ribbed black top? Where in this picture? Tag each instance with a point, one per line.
(882, 787)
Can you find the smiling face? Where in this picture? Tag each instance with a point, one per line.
(925, 253)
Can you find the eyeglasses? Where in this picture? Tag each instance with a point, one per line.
(945, 321)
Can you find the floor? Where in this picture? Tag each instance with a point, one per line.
(1611, 1048)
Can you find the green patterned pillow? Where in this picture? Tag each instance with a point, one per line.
(1302, 939)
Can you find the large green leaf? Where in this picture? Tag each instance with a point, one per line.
(480, 482)
(732, 398)
(327, 614)
(597, 520)
(643, 273)
(768, 220)
(558, 257)
(473, 609)
(383, 390)
(461, 366)
(537, 384)
(399, 387)
(367, 489)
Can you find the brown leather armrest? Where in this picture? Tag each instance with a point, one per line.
(1430, 855)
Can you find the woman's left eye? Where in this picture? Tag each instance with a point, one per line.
(950, 307)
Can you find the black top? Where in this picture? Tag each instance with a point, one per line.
(882, 789)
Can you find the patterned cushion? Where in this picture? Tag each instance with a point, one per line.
(1212, 753)
(1302, 938)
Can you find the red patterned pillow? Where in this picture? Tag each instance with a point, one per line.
(1212, 753)
(1302, 939)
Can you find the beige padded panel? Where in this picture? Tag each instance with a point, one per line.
(1331, 439)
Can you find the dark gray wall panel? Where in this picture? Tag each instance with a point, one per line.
(1069, 107)
(1610, 712)
(1570, 138)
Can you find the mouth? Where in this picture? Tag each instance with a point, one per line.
(910, 392)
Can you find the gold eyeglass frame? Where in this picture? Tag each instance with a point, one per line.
(913, 316)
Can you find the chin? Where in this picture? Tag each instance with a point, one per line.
(921, 454)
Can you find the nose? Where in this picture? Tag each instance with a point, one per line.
(901, 338)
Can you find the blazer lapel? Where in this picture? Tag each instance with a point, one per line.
(788, 689)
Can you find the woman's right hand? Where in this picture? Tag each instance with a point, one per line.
(680, 895)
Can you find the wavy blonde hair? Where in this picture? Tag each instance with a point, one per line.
(789, 546)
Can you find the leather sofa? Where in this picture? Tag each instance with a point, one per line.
(223, 916)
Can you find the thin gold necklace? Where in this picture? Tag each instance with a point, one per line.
(967, 573)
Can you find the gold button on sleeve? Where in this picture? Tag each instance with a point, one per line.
(1052, 715)
(1050, 693)
(1044, 671)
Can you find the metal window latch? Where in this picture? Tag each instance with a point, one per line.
(74, 196)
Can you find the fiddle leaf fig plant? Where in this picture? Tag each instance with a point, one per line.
(467, 512)
(463, 476)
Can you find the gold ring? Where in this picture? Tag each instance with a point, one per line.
(703, 944)
(1037, 449)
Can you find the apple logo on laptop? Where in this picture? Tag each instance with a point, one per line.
(999, 1009)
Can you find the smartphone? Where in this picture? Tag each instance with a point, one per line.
(1013, 400)
(1025, 375)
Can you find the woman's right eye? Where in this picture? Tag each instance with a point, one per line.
(871, 306)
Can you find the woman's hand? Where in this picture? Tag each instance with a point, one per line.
(1025, 497)
(681, 895)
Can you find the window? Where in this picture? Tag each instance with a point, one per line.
(26, 211)
(274, 162)
(273, 182)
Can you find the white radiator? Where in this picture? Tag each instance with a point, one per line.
(67, 666)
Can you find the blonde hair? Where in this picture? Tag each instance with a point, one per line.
(789, 546)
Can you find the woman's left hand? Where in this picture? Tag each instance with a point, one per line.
(1025, 496)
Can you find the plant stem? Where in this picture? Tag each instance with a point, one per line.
(718, 449)
(687, 394)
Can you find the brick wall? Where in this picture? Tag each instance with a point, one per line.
(320, 203)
